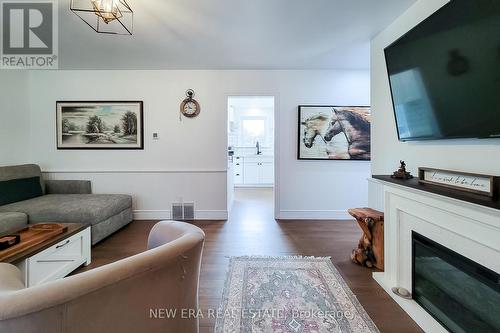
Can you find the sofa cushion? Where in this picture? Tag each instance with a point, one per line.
(12, 221)
(21, 171)
(76, 208)
(20, 189)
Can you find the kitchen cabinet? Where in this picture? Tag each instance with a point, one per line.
(254, 170)
(251, 173)
(267, 173)
(238, 170)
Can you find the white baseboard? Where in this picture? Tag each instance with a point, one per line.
(314, 215)
(166, 215)
(211, 215)
(223, 215)
(152, 214)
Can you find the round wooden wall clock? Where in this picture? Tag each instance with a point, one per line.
(190, 107)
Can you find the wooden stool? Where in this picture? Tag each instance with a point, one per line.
(370, 251)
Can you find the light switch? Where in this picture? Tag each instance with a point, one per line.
(156, 136)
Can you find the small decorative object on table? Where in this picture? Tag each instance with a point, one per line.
(48, 227)
(370, 251)
(401, 173)
(8, 241)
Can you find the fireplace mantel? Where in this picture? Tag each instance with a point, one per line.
(443, 191)
(468, 228)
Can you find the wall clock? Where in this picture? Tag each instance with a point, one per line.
(190, 107)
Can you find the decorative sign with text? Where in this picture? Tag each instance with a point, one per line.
(469, 182)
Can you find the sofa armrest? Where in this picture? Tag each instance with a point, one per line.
(68, 187)
(11, 278)
(11, 221)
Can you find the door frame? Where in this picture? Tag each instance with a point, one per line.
(277, 180)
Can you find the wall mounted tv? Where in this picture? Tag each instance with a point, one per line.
(445, 74)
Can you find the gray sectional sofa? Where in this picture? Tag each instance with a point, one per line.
(63, 201)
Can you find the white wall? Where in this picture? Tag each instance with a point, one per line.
(189, 160)
(14, 118)
(479, 156)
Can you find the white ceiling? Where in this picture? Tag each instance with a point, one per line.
(232, 34)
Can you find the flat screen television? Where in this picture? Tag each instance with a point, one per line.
(445, 74)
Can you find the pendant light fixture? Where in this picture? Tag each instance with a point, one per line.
(105, 16)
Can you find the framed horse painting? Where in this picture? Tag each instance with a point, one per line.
(334, 133)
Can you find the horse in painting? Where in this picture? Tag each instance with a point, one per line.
(356, 129)
(314, 126)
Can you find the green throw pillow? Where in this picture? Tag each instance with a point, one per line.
(19, 189)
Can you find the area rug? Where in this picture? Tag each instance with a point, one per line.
(289, 295)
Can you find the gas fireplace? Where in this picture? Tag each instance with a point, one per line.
(461, 294)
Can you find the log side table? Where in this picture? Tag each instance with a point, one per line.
(370, 251)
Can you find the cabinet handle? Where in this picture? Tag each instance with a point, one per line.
(237, 174)
(237, 164)
(64, 244)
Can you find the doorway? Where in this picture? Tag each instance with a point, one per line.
(251, 150)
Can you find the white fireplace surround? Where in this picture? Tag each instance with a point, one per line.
(468, 229)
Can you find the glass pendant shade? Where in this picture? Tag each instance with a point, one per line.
(107, 10)
(105, 16)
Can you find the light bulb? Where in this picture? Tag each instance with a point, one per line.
(106, 9)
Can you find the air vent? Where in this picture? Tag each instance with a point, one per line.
(189, 211)
(183, 211)
(177, 211)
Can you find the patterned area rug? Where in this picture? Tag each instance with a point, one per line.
(289, 295)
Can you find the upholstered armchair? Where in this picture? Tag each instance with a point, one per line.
(125, 296)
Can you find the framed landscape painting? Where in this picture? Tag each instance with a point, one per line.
(334, 133)
(100, 125)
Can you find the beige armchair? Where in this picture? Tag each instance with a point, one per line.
(124, 296)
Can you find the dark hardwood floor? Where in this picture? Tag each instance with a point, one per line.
(251, 230)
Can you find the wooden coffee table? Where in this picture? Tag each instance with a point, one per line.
(53, 258)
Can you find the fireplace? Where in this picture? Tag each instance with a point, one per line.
(459, 293)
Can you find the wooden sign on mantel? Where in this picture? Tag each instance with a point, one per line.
(463, 181)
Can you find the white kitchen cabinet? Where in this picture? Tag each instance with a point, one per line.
(238, 170)
(267, 173)
(253, 170)
(251, 173)
(258, 171)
